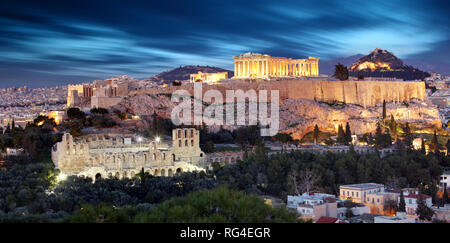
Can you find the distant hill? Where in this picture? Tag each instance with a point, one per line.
(382, 63)
(327, 67)
(183, 72)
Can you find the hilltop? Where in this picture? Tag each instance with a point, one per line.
(382, 63)
(183, 72)
(327, 66)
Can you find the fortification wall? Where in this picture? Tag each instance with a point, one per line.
(364, 93)
(104, 102)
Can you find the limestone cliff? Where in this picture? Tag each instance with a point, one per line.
(298, 116)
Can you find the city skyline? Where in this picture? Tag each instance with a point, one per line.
(53, 43)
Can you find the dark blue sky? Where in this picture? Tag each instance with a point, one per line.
(47, 43)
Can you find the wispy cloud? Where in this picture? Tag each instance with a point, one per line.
(79, 41)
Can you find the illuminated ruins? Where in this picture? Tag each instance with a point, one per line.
(255, 65)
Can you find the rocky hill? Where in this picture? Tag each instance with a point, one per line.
(381, 63)
(183, 72)
(299, 116)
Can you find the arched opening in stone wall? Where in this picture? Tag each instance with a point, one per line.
(98, 176)
(192, 143)
(117, 175)
(170, 173)
(163, 172)
(185, 143)
(179, 171)
(110, 175)
(201, 154)
(154, 156)
(173, 157)
(156, 173)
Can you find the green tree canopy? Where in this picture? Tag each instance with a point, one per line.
(340, 72)
(220, 205)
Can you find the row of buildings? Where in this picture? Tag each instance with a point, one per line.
(23, 105)
(100, 93)
(366, 202)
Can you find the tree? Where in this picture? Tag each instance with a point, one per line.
(99, 110)
(422, 146)
(305, 181)
(422, 210)
(360, 76)
(348, 133)
(445, 198)
(393, 183)
(370, 140)
(390, 206)
(75, 131)
(378, 136)
(316, 134)
(402, 203)
(407, 136)
(384, 109)
(98, 214)
(341, 136)
(340, 72)
(393, 127)
(447, 145)
(283, 137)
(435, 143)
(76, 113)
(220, 205)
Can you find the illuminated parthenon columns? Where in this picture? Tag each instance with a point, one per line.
(254, 65)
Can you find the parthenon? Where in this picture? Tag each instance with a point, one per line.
(255, 65)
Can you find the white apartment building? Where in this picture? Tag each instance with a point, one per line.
(411, 202)
(314, 205)
(357, 192)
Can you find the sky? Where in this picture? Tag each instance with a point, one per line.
(49, 43)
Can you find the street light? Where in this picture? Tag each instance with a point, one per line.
(157, 139)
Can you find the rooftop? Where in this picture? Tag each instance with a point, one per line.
(326, 220)
(362, 186)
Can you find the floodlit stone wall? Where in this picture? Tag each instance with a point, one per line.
(364, 93)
